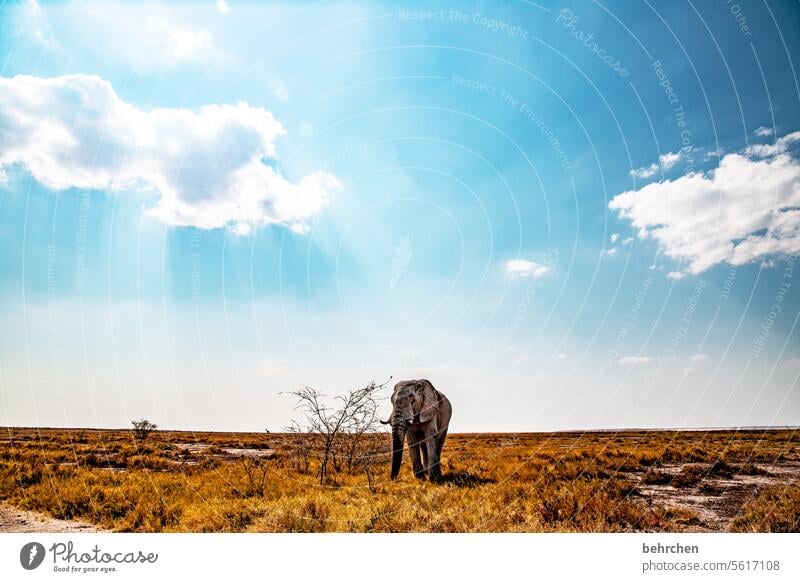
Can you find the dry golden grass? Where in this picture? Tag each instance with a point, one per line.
(600, 482)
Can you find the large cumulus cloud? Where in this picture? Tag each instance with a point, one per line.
(746, 209)
(207, 165)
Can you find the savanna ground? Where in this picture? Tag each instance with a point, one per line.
(746, 480)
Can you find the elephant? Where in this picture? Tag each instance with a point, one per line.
(422, 413)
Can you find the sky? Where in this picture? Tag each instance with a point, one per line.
(565, 215)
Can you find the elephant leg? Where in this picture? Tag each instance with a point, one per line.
(424, 451)
(432, 466)
(440, 443)
(416, 462)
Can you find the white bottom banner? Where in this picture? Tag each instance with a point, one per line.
(389, 557)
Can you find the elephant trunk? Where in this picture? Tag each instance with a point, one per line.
(398, 437)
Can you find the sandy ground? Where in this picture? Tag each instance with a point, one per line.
(14, 520)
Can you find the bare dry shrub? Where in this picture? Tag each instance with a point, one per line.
(335, 435)
(255, 472)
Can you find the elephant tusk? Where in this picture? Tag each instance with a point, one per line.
(385, 421)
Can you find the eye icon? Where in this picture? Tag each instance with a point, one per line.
(31, 555)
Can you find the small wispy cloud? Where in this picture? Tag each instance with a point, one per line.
(271, 368)
(645, 171)
(670, 160)
(665, 162)
(614, 237)
(780, 146)
(764, 131)
(791, 364)
(634, 360)
(401, 257)
(180, 43)
(524, 268)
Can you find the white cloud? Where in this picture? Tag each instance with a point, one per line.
(746, 209)
(525, 268)
(665, 162)
(610, 252)
(764, 131)
(676, 275)
(179, 43)
(272, 367)
(669, 160)
(768, 150)
(645, 171)
(692, 361)
(634, 360)
(241, 229)
(614, 237)
(791, 364)
(222, 6)
(75, 132)
(628, 240)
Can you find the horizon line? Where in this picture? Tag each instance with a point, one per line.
(560, 431)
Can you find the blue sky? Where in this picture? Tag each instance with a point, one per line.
(568, 215)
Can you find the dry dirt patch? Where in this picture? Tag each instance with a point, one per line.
(236, 452)
(716, 500)
(13, 520)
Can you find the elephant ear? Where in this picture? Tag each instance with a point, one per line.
(430, 401)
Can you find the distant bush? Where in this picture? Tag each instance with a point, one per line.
(751, 469)
(142, 428)
(656, 478)
(719, 468)
(689, 476)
